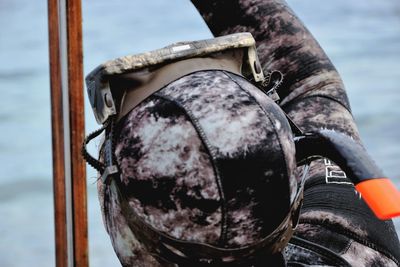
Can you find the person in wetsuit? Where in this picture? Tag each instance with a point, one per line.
(336, 228)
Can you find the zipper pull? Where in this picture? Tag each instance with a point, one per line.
(270, 84)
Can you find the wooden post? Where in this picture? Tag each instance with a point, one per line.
(67, 107)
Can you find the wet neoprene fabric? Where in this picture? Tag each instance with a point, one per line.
(193, 120)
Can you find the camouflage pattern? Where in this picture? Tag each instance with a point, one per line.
(173, 52)
(355, 253)
(190, 173)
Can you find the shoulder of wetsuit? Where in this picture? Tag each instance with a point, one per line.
(301, 252)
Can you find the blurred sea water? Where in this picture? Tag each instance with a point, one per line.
(362, 37)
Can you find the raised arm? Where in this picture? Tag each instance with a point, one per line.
(311, 83)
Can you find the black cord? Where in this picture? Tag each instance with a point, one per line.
(99, 166)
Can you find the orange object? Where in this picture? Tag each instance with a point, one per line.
(381, 196)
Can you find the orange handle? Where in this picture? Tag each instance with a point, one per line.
(381, 196)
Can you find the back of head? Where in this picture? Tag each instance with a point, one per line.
(208, 159)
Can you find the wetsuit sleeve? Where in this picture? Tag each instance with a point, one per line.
(283, 43)
(313, 95)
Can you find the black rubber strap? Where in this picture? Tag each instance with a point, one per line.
(99, 166)
(350, 156)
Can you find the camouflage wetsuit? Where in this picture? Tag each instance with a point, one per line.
(335, 224)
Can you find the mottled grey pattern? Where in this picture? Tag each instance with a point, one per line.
(358, 255)
(129, 250)
(168, 173)
(251, 160)
(315, 112)
(370, 257)
(330, 218)
(201, 169)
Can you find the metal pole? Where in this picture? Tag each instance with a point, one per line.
(69, 174)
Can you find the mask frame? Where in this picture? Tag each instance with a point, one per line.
(102, 96)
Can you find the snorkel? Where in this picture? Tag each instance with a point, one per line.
(379, 192)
